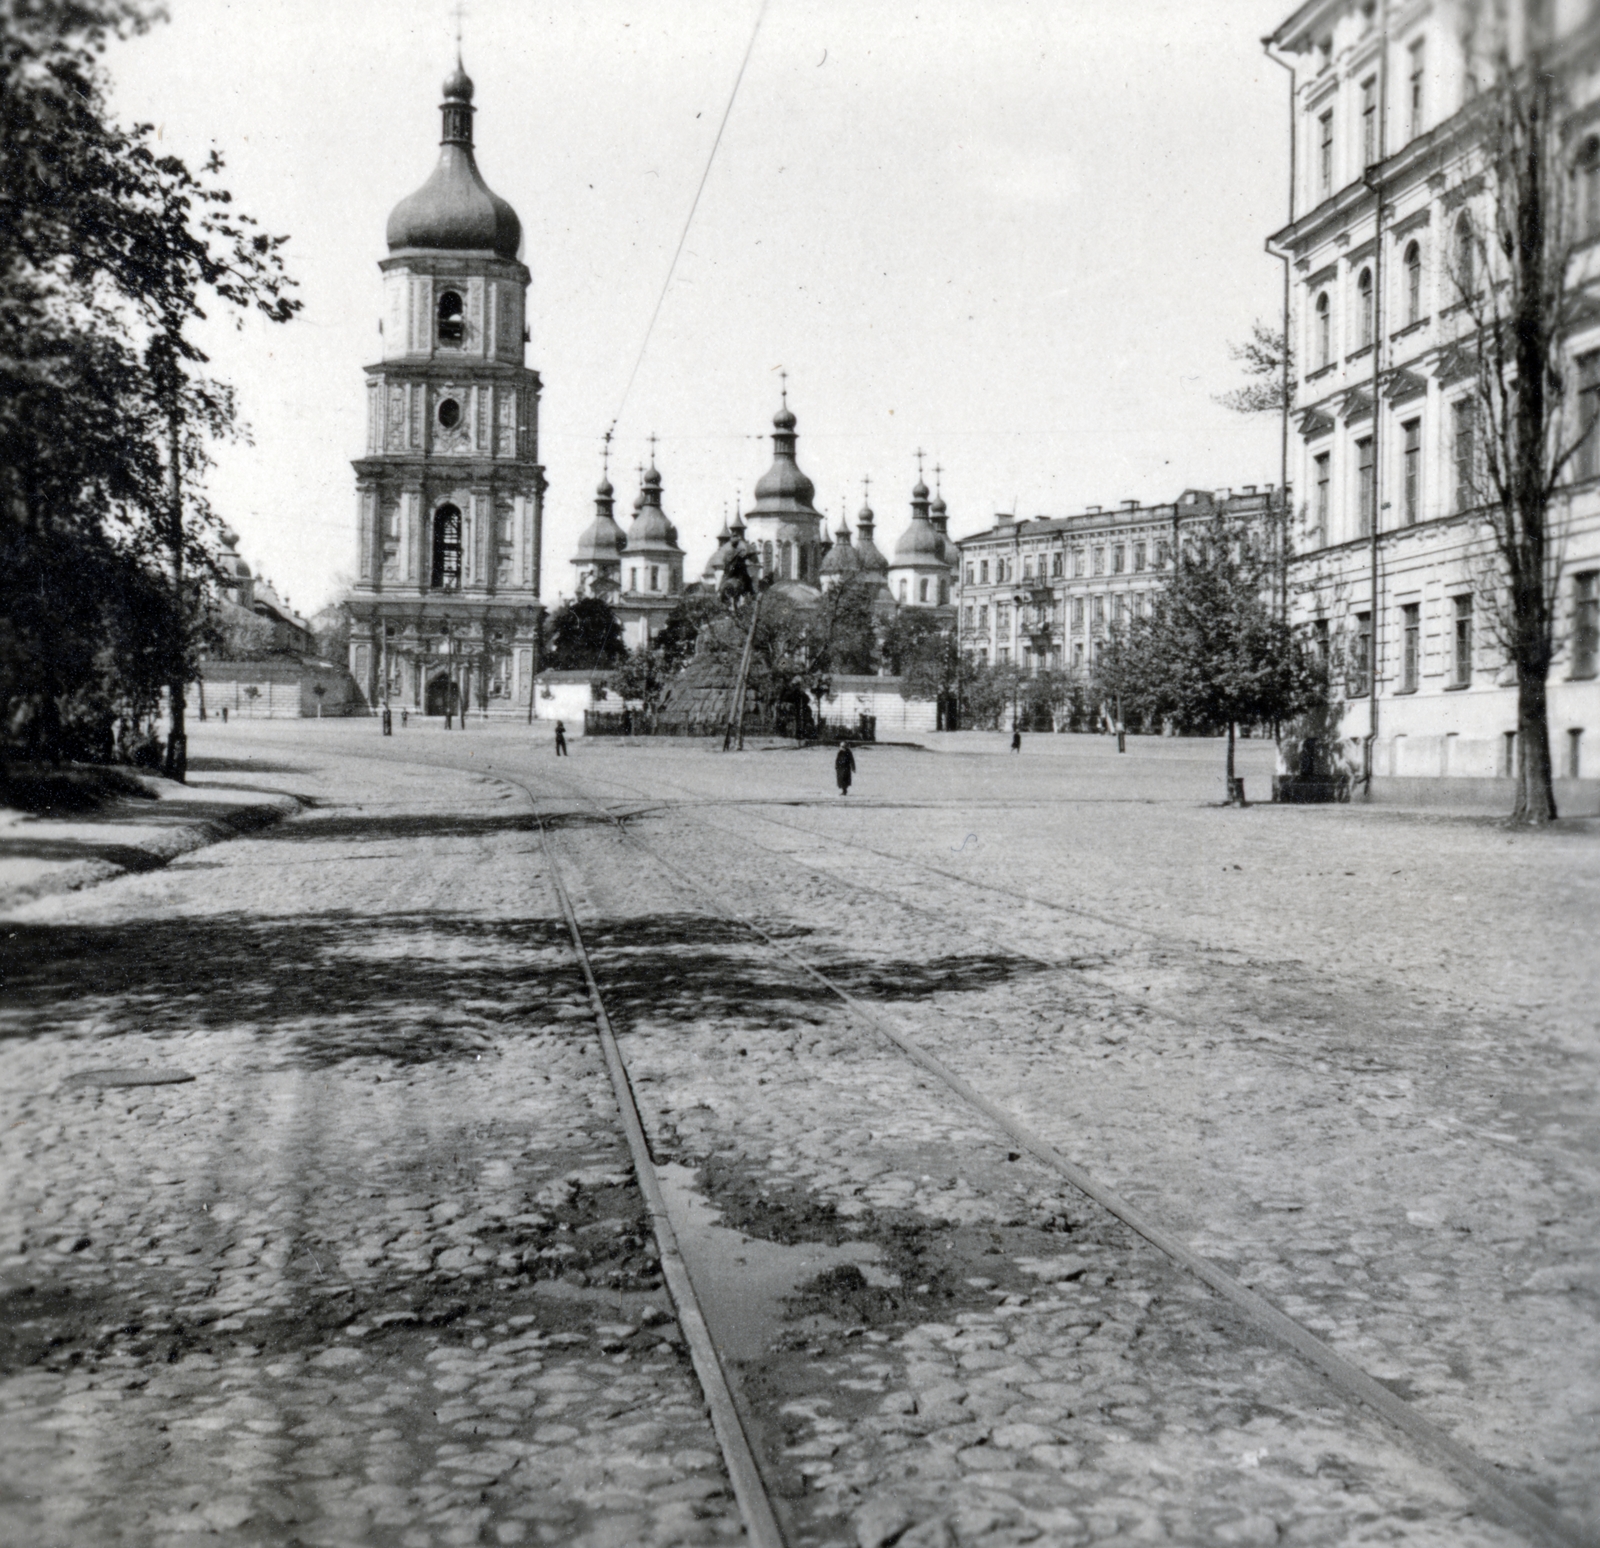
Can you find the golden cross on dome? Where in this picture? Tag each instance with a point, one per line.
(652, 449)
(866, 488)
(605, 454)
(461, 11)
(919, 464)
(783, 379)
(937, 470)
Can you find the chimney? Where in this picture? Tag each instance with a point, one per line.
(1222, 494)
(1005, 518)
(1092, 510)
(1130, 505)
(1249, 489)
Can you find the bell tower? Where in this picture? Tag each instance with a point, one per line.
(450, 493)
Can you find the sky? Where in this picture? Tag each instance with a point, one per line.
(1018, 235)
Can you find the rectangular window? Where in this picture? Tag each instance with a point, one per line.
(1586, 460)
(971, 615)
(1462, 676)
(1163, 554)
(1077, 656)
(633, 578)
(1364, 488)
(1077, 614)
(1002, 618)
(1586, 623)
(1411, 644)
(1140, 554)
(1027, 568)
(1411, 483)
(1415, 103)
(1361, 656)
(1055, 566)
(1119, 557)
(1319, 641)
(1464, 451)
(1002, 656)
(1325, 153)
(983, 573)
(1077, 562)
(983, 620)
(1369, 121)
(1321, 466)
(1099, 561)
(1099, 612)
(1574, 752)
(1116, 611)
(655, 577)
(969, 574)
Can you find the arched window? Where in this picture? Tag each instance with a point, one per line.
(1466, 258)
(1364, 308)
(452, 318)
(922, 591)
(1324, 345)
(1587, 193)
(447, 549)
(766, 558)
(1413, 267)
(902, 590)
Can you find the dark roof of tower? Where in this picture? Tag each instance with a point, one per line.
(455, 210)
(783, 488)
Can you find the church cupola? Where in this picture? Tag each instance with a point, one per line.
(455, 210)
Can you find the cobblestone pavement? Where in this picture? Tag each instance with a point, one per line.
(379, 1273)
(1371, 1095)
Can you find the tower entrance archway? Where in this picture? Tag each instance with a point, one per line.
(443, 697)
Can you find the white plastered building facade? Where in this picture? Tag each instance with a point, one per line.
(1394, 561)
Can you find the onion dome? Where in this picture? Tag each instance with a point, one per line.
(602, 539)
(455, 211)
(718, 562)
(650, 531)
(872, 559)
(841, 560)
(919, 542)
(783, 489)
(939, 515)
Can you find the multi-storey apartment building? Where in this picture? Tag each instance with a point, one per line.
(1394, 569)
(1045, 593)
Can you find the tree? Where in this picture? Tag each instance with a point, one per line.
(1214, 654)
(584, 636)
(1514, 273)
(645, 676)
(109, 252)
(1269, 373)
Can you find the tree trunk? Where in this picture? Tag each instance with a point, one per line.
(1536, 800)
(1231, 786)
(177, 758)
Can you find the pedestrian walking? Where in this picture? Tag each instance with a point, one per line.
(224, 714)
(1016, 739)
(844, 767)
(405, 715)
(388, 721)
(561, 740)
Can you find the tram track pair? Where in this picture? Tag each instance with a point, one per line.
(1510, 1503)
(1506, 1501)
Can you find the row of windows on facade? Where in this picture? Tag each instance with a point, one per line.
(1083, 654)
(1034, 568)
(1122, 606)
(1413, 104)
(1364, 319)
(926, 591)
(1462, 274)
(1466, 460)
(1461, 640)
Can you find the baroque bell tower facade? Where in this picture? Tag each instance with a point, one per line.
(450, 493)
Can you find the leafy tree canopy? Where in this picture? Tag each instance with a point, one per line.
(585, 635)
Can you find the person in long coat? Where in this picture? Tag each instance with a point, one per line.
(561, 739)
(844, 767)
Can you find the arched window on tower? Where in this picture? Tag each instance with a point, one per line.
(1413, 267)
(452, 319)
(1364, 314)
(446, 549)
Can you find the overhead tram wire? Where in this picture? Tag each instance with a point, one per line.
(683, 237)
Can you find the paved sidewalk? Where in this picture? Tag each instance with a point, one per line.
(44, 855)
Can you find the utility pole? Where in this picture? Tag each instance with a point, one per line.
(176, 764)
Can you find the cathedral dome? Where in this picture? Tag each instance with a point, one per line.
(783, 487)
(455, 210)
(918, 541)
(841, 560)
